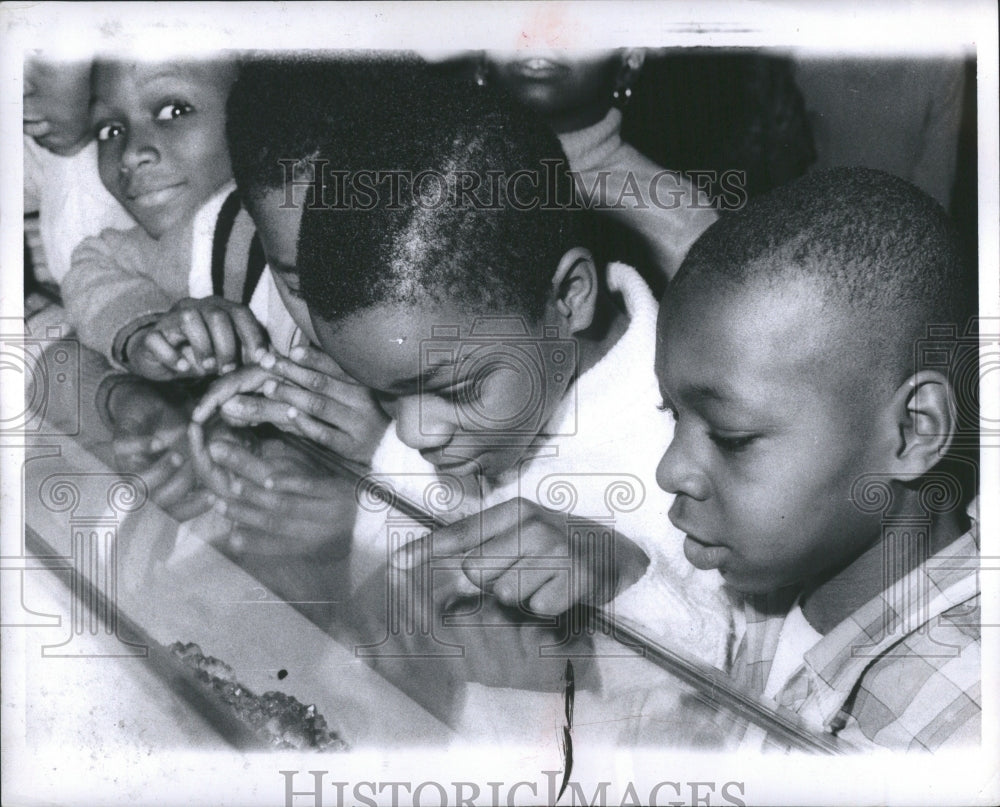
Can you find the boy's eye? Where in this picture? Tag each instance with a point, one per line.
(108, 131)
(732, 444)
(174, 109)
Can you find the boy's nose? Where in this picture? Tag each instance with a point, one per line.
(140, 149)
(677, 473)
(422, 422)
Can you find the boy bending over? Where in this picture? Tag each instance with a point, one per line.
(457, 287)
(811, 447)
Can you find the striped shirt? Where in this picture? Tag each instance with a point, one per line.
(902, 672)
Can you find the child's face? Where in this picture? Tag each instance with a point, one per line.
(160, 129)
(775, 422)
(278, 230)
(569, 89)
(469, 405)
(56, 104)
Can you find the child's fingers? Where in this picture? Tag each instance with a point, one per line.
(249, 331)
(325, 435)
(159, 473)
(162, 351)
(464, 535)
(192, 505)
(166, 436)
(216, 479)
(190, 360)
(304, 359)
(173, 488)
(133, 444)
(247, 514)
(224, 345)
(518, 584)
(254, 409)
(198, 337)
(283, 507)
(313, 403)
(554, 597)
(303, 377)
(246, 379)
(316, 359)
(237, 460)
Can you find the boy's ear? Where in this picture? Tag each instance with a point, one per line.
(575, 290)
(924, 415)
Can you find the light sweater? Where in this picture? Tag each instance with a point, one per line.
(616, 436)
(71, 202)
(123, 279)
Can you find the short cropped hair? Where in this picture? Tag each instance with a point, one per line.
(419, 236)
(878, 246)
(285, 107)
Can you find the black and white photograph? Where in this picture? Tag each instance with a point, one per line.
(507, 403)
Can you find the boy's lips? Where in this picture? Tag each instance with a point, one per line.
(153, 197)
(703, 555)
(37, 128)
(452, 465)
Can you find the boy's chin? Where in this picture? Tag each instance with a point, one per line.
(748, 584)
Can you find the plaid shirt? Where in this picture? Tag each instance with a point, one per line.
(902, 672)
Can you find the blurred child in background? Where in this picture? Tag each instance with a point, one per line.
(61, 183)
(579, 95)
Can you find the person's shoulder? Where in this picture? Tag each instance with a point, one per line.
(111, 239)
(924, 692)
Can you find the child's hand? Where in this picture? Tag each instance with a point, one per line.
(533, 556)
(280, 503)
(149, 439)
(196, 337)
(308, 395)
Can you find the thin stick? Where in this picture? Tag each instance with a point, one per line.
(713, 684)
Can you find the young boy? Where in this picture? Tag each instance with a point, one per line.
(160, 128)
(508, 361)
(61, 182)
(280, 113)
(812, 444)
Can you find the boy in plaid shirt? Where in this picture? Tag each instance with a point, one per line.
(816, 460)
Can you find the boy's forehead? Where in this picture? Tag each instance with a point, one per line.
(209, 72)
(782, 331)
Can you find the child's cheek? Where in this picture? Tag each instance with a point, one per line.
(107, 167)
